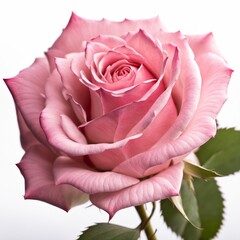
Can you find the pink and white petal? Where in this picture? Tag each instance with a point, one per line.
(142, 75)
(51, 54)
(138, 165)
(174, 38)
(186, 92)
(102, 129)
(26, 136)
(85, 79)
(77, 26)
(116, 99)
(144, 45)
(37, 169)
(154, 131)
(109, 159)
(108, 156)
(71, 130)
(73, 89)
(96, 105)
(109, 41)
(28, 91)
(163, 185)
(116, 124)
(78, 64)
(71, 81)
(216, 75)
(202, 44)
(78, 110)
(93, 48)
(53, 124)
(163, 96)
(79, 175)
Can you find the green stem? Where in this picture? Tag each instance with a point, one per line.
(145, 224)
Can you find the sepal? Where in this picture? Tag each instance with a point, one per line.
(198, 171)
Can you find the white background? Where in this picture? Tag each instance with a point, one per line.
(27, 29)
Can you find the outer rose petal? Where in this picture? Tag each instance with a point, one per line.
(26, 136)
(36, 167)
(77, 26)
(28, 92)
(163, 185)
(79, 175)
(204, 43)
(216, 75)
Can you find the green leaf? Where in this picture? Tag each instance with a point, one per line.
(210, 203)
(199, 171)
(221, 153)
(108, 231)
(204, 207)
(177, 201)
(174, 218)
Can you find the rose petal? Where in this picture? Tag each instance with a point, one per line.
(79, 175)
(74, 90)
(115, 125)
(28, 91)
(216, 75)
(203, 43)
(144, 45)
(154, 131)
(93, 48)
(55, 127)
(163, 185)
(51, 55)
(36, 167)
(77, 26)
(114, 100)
(143, 75)
(163, 98)
(109, 41)
(101, 43)
(109, 159)
(26, 136)
(186, 91)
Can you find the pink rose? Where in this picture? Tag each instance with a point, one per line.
(112, 110)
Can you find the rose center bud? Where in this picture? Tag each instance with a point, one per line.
(124, 73)
(120, 71)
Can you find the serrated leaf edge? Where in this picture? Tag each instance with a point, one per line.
(223, 210)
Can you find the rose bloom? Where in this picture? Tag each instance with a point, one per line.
(112, 110)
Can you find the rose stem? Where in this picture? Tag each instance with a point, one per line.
(145, 224)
